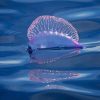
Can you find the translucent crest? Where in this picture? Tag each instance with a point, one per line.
(52, 25)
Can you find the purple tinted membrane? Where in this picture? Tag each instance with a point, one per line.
(49, 41)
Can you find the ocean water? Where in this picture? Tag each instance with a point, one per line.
(74, 77)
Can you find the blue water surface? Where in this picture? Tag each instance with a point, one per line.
(69, 78)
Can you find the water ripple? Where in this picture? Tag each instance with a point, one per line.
(20, 81)
(80, 13)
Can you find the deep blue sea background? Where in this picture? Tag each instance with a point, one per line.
(15, 84)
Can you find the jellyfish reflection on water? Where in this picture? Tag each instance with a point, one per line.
(48, 76)
(52, 38)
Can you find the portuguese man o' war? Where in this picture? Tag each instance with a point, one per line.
(51, 34)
